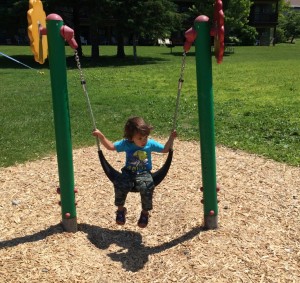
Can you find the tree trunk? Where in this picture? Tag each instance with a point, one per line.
(134, 43)
(94, 42)
(77, 31)
(120, 46)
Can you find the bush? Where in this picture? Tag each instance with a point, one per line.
(280, 35)
(248, 35)
(234, 40)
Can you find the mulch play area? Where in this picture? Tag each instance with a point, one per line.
(258, 239)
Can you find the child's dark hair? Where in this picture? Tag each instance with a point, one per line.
(136, 125)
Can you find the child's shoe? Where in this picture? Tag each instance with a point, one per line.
(143, 221)
(121, 219)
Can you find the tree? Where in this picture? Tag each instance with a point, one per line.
(135, 18)
(13, 17)
(132, 18)
(69, 10)
(72, 10)
(289, 22)
(293, 25)
(236, 17)
(236, 20)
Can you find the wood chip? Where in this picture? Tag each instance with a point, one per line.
(257, 239)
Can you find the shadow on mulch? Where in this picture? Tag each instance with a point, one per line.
(54, 229)
(133, 254)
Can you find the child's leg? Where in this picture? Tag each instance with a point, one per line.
(144, 184)
(120, 197)
(122, 185)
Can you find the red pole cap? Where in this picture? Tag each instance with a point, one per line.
(191, 34)
(54, 17)
(202, 18)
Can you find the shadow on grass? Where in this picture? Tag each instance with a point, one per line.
(179, 54)
(133, 254)
(86, 62)
(7, 63)
(192, 54)
(113, 61)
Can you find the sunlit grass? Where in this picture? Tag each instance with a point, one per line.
(256, 94)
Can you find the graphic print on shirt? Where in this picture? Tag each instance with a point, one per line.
(137, 161)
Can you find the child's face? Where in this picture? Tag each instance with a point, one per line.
(139, 140)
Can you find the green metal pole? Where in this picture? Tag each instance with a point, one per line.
(206, 121)
(57, 62)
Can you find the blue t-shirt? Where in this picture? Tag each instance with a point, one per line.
(138, 159)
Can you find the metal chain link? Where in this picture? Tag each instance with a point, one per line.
(180, 82)
(83, 83)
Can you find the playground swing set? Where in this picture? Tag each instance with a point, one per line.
(48, 35)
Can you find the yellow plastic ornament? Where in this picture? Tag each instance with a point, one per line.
(36, 18)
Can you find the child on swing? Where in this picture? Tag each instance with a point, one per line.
(136, 172)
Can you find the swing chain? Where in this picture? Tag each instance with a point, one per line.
(182, 69)
(83, 83)
(180, 82)
(79, 68)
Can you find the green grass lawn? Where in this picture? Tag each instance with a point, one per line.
(256, 94)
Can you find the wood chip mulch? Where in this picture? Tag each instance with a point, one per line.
(258, 239)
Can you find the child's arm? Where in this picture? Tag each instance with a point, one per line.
(169, 143)
(106, 142)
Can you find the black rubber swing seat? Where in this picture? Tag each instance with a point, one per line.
(158, 176)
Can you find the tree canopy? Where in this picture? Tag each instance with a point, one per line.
(236, 17)
(136, 20)
(132, 19)
(289, 23)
